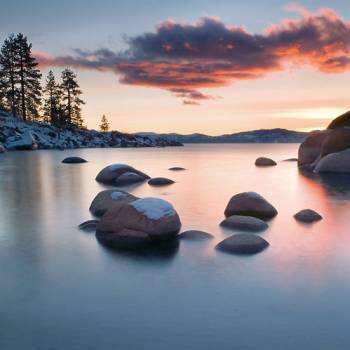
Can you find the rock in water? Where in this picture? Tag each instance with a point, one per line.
(73, 160)
(176, 168)
(195, 235)
(121, 174)
(307, 216)
(243, 244)
(291, 160)
(334, 163)
(2, 149)
(160, 181)
(139, 224)
(244, 223)
(263, 161)
(109, 199)
(89, 225)
(340, 122)
(250, 204)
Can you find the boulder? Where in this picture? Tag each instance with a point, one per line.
(176, 168)
(250, 204)
(334, 163)
(73, 160)
(307, 216)
(121, 174)
(160, 181)
(263, 161)
(243, 244)
(89, 225)
(310, 149)
(195, 235)
(341, 121)
(244, 223)
(25, 142)
(337, 140)
(108, 199)
(139, 224)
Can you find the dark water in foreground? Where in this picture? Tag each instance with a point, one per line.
(60, 289)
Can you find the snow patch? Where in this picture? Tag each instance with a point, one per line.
(154, 208)
(116, 195)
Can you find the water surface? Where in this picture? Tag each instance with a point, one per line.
(60, 289)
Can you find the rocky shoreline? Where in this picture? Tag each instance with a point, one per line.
(18, 135)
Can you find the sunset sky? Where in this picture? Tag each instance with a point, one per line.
(195, 65)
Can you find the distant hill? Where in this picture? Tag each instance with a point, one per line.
(255, 136)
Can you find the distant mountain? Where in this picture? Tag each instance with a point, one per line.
(255, 136)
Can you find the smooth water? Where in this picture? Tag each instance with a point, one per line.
(60, 289)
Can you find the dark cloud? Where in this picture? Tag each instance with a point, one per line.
(184, 58)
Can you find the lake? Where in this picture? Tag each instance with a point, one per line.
(61, 289)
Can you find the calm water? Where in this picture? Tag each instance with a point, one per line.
(60, 289)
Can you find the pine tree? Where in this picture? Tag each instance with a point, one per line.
(104, 126)
(9, 74)
(52, 100)
(29, 79)
(71, 95)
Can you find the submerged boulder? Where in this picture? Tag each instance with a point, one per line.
(307, 216)
(250, 204)
(334, 163)
(244, 223)
(139, 224)
(160, 181)
(243, 244)
(108, 199)
(73, 160)
(120, 174)
(263, 161)
(195, 235)
(176, 168)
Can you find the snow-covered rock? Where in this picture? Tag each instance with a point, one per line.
(139, 224)
(16, 134)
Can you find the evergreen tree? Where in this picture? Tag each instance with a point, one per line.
(9, 74)
(52, 100)
(104, 126)
(71, 96)
(29, 79)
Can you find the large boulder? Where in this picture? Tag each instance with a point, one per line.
(120, 174)
(109, 199)
(139, 224)
(263, 161)
(341, 121)
(310, 149)
(250, 204)
(73, 160)
(334, 163)
(337, 140)
(307, 216)
(244, 223)
(243, 243)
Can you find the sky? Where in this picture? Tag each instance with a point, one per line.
(189, 66)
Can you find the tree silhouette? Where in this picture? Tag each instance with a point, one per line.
(104, 126)
(71, 96)
(52, 100)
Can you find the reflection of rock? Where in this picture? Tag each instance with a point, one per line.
(108, 199)
(195, 235)
(243, 243)
(263, 161)
(244, 223)
(89, 225)
(73, 160)
(139, 224)
(327, 150)
(120, 174)
(160, 181)
(307, 216)
(250, 204)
